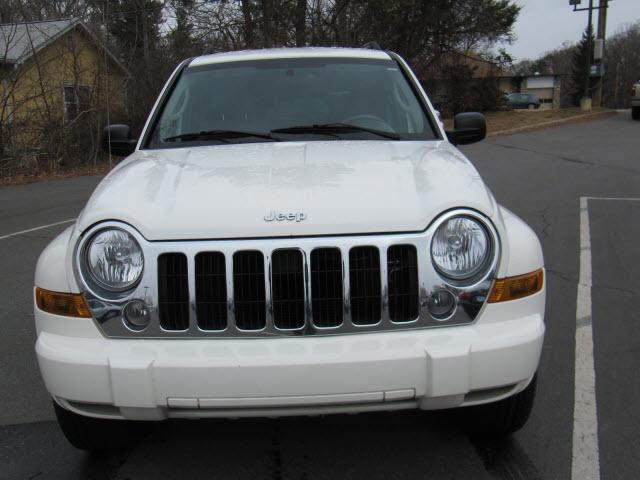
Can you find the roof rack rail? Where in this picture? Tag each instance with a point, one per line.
(372, 45)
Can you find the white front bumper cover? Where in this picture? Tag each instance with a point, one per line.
(156, 379)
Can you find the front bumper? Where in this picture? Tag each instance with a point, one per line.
(155, 379)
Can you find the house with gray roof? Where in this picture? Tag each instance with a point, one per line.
(58, 80)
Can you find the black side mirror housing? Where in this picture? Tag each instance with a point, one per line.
(468, 127)
(116, 140)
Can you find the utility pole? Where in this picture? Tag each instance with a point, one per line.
(589, 51)
(585, 103)
(602, 34)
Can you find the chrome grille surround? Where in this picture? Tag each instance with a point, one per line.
(107, 312)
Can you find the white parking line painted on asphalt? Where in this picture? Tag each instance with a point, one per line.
(608, 199)
(35, 229)
(585, 463)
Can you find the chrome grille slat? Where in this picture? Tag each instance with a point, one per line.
(346, 286)
(425, 274)
(384, 297)
(269, 325)
(191, 285)
(308, 314)
(231, 308)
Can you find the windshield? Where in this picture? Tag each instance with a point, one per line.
(291, 100)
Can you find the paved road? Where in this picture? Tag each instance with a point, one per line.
(541, 177)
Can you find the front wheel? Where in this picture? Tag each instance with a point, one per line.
(96, 434)
(635, 113)
(503, 417)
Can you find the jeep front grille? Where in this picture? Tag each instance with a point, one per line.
(288, 286)
(270, 287)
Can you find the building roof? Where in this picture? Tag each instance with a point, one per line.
(478, 66)
(19, 41)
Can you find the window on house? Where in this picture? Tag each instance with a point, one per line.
(77, 100)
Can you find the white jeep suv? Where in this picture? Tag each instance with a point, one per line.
(293, 233)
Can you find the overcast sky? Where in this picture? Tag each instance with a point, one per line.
(545, 24)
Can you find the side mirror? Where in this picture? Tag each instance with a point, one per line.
(470, 127)
(116, 139)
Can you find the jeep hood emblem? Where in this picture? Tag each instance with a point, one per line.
(281, 217)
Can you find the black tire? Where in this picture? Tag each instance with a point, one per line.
(635, 113)
(95, 434)
(503, 417)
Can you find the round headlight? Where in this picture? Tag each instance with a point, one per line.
(461, 248)
(114, 260)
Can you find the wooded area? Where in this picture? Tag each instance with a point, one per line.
(148, 38)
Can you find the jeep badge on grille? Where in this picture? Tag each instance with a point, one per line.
(281, 217)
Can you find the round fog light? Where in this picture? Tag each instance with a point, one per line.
(441, 304)
(136, 315)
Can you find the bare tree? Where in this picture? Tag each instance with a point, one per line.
(267, 25)
(301, 23)
(249, 24)
(421, 31)
(622, 66)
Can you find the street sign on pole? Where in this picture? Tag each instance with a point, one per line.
(598, 49)
(597, 70)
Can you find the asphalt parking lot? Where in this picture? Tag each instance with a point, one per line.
(541, 176)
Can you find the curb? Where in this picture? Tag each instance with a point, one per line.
(551, 123)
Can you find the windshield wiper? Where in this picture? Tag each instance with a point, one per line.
(221, 135)
(335, 128)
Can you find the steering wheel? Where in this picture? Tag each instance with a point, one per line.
(369, 121)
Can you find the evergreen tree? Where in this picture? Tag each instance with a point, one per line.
(181, 41)
(580, 68)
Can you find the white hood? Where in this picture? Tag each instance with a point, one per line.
(333, 187)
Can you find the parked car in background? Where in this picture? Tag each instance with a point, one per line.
(635, 101)
(523, 100)
(294, 233)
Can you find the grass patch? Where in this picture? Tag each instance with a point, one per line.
(500, 121)
(22, 178)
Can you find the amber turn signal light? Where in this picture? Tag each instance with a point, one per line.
(512, 288)
(66, 304)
